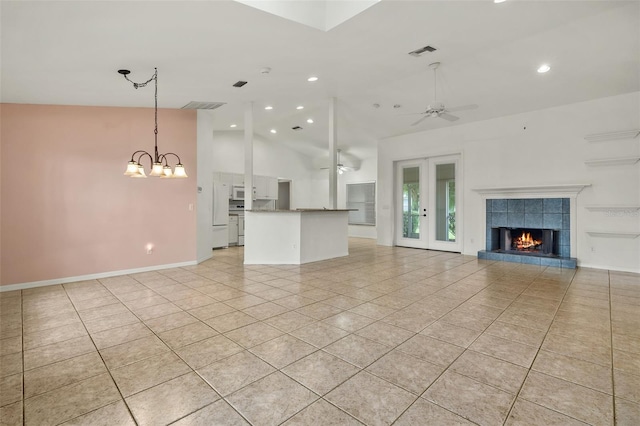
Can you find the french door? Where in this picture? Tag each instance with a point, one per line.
(428, 200)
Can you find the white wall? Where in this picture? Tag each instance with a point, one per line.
(367, 172)
(536, 148)
(269, 159)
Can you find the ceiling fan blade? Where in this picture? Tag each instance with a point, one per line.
(411, 113)
(420, 121)
(462, 108)
(448, 117)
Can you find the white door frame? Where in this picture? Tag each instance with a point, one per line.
(427, 181)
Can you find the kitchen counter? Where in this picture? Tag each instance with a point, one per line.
(294, 237)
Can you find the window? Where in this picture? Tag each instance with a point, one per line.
(361, 197)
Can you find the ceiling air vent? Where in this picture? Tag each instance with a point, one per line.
(422, 50)
(239, 83)
(296, 128)
(203, 105)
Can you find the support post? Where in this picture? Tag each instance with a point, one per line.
(248, 156)
(333, 163)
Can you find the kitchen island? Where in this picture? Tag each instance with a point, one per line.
(294, 237)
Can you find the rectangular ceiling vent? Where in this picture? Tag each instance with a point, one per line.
(422, 50)
(239, 83)
(296, 128)
(203, 105)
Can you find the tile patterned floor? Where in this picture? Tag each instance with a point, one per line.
(383, 336)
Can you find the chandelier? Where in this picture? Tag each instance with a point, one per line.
(159, 162)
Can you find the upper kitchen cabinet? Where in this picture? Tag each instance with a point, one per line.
(266, 187)
(238, 179)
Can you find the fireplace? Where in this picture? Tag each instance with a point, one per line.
(533, 230)
(527, 241)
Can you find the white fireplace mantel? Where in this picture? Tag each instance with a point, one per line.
(539, 191)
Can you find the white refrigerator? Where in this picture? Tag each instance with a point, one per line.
(220, 215)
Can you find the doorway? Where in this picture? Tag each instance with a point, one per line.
(428, 203)
(284, 195)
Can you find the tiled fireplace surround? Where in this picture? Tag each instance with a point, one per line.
(547, 213)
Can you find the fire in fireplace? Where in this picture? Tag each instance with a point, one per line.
(525, 242)
(542, 242)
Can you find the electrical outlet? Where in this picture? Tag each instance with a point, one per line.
(190, 207)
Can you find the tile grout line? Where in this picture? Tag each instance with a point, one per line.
(613, 380)
(24, 411)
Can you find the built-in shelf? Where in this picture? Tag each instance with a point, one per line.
(612, 208)
(612, 136)
(621, 161)
(608, 234)
(563, 190)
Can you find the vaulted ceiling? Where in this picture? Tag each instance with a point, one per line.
(68, 52)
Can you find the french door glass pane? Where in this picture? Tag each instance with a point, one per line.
(411, 202)
(446, 202)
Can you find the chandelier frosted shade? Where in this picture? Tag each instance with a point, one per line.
(159, 162)
(179, 171)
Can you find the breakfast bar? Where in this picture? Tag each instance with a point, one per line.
(294, 237)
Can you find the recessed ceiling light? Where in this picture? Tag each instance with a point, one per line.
(274, 131)
(234, 125)
(544, 68)
(499, 1)
(310, 120)
(268, 107)
(299, 107)
(312, 78)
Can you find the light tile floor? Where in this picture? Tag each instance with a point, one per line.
(383, 336)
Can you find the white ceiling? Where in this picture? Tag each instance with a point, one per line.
(68, 52)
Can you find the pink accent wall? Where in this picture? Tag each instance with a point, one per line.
(67, 208)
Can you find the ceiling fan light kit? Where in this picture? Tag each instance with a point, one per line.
(159, 162)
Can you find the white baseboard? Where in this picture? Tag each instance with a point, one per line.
(44, 283)
(608, 268)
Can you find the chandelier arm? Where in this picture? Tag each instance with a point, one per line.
(142, 155)
(164, 157)
(137, 152)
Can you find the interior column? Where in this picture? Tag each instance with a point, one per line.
(333, 163)
(248, 156)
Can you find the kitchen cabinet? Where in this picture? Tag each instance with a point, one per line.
(238, 179)
(266, 187)
(272, 188)
(260, 182)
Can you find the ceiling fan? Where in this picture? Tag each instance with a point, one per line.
(437, 109)
(341, 167)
